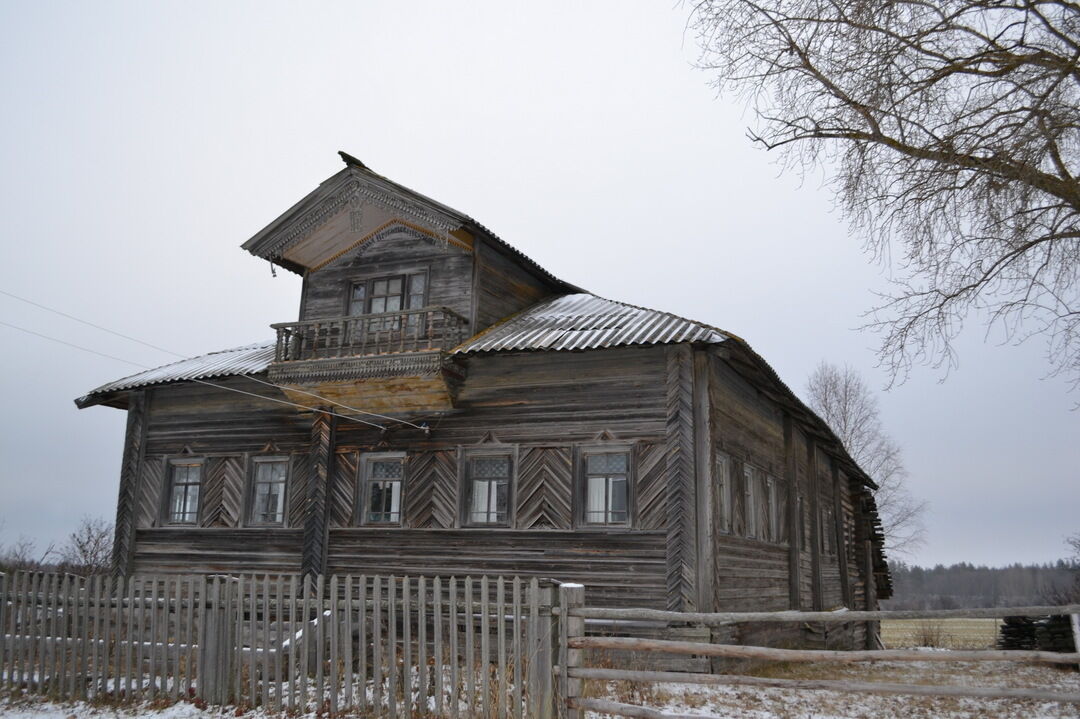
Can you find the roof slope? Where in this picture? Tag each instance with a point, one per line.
(568, 322)
(582, 322)
(250, 359)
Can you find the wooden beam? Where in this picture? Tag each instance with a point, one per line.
(127, 501)
(794, 535)
(844, 685)
(703, 500)
(679, 460)
(723, 618)
(316, 521)
(670, 646)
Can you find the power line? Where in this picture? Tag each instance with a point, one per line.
(199, 381)
(181, 356)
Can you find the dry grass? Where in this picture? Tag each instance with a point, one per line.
(940, 633)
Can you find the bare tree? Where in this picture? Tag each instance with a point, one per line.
(89, 548)
(842, 399)
(23, 555)
(951, 132)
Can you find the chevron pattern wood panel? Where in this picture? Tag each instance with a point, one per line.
(297, 499)
(151, 481)
(679, 461)
(313, 558)
(651, 489)
(126, 511)
(343, 489)
(545, 488)
(223, 492)
(431, 489)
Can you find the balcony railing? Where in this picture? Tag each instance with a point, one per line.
(429, 328)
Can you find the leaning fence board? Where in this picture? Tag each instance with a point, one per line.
(844, 685)
(437, 648)
(723, 618)
(818, 655)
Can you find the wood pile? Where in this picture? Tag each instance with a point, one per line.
(1050, 634)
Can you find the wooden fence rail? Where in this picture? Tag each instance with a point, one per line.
(573, 642)
(391, 646)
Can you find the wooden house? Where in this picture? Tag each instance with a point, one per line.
(444, 405)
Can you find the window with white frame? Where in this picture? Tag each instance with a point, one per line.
(488, 480)
(607, 488)
(269, 481)
(383, 478)
(185, 481)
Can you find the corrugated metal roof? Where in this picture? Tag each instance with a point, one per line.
(583, 321)
(249, 359)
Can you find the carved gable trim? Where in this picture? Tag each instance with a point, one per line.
(394, 227)
(359, 189)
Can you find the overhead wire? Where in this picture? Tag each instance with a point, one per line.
(196, 380)
(184, 356)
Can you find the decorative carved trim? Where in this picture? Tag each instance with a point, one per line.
(358, 187)
(393, 227)
(410, 364)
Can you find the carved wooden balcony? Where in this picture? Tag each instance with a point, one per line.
(423, 330)
(386, 362)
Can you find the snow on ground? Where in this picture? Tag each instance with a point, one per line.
(730, 702)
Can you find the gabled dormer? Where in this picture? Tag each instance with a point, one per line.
(392, 281)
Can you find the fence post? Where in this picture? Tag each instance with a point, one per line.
(216, 653)
(571, 596)
(541, 694)
(3, 626)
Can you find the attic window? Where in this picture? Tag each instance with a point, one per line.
(388, 294)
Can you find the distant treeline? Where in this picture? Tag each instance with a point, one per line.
(966, 585)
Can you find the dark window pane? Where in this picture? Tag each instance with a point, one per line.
(607, 463)
(618, 495)
(378, 287)
(394, 286)
(378, 304)
(393, 303)
(491, 468)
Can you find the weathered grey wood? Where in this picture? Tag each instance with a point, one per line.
(320, 640)
(50, 674)
(334, 628)
(305, 652)
(406, 646)
(391, 645)
(1074, 622)
(134, 452)
(541, 634)
(376, 643)
(455, 675)
(421, 645)
(84, 648)
(437, 648)
(571, 628)
(152, 665)
(362, 644)
(500, 618)
(723, 618)
(846, 685)
(62, 630)
(470, 649)
(8, 583)
(819, 655)
(347, 642)
(485, 649)
(815, 524)
(294, 627)
(519, 668)
(679, 441)
(703, 485)
(265, 675)
(791, 475)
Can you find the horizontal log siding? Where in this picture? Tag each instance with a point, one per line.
(617, 568)
(503, 286)
(540, 398)
(208, 420)
(806, 563)
(749, 428)
(176, 550)
(326, 291)
(751, 576)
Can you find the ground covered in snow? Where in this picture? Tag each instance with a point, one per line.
(732, 702)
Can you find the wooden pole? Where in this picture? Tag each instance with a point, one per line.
(571, 629)
(844, 685)
(818, 655)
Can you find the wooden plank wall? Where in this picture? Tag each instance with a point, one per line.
(326, 291)
(504, 286)
(543, 406)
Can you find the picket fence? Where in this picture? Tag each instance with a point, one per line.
(390, 646)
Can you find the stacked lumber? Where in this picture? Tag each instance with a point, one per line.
(1048, 633)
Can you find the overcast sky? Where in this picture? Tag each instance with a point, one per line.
(141, 143)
